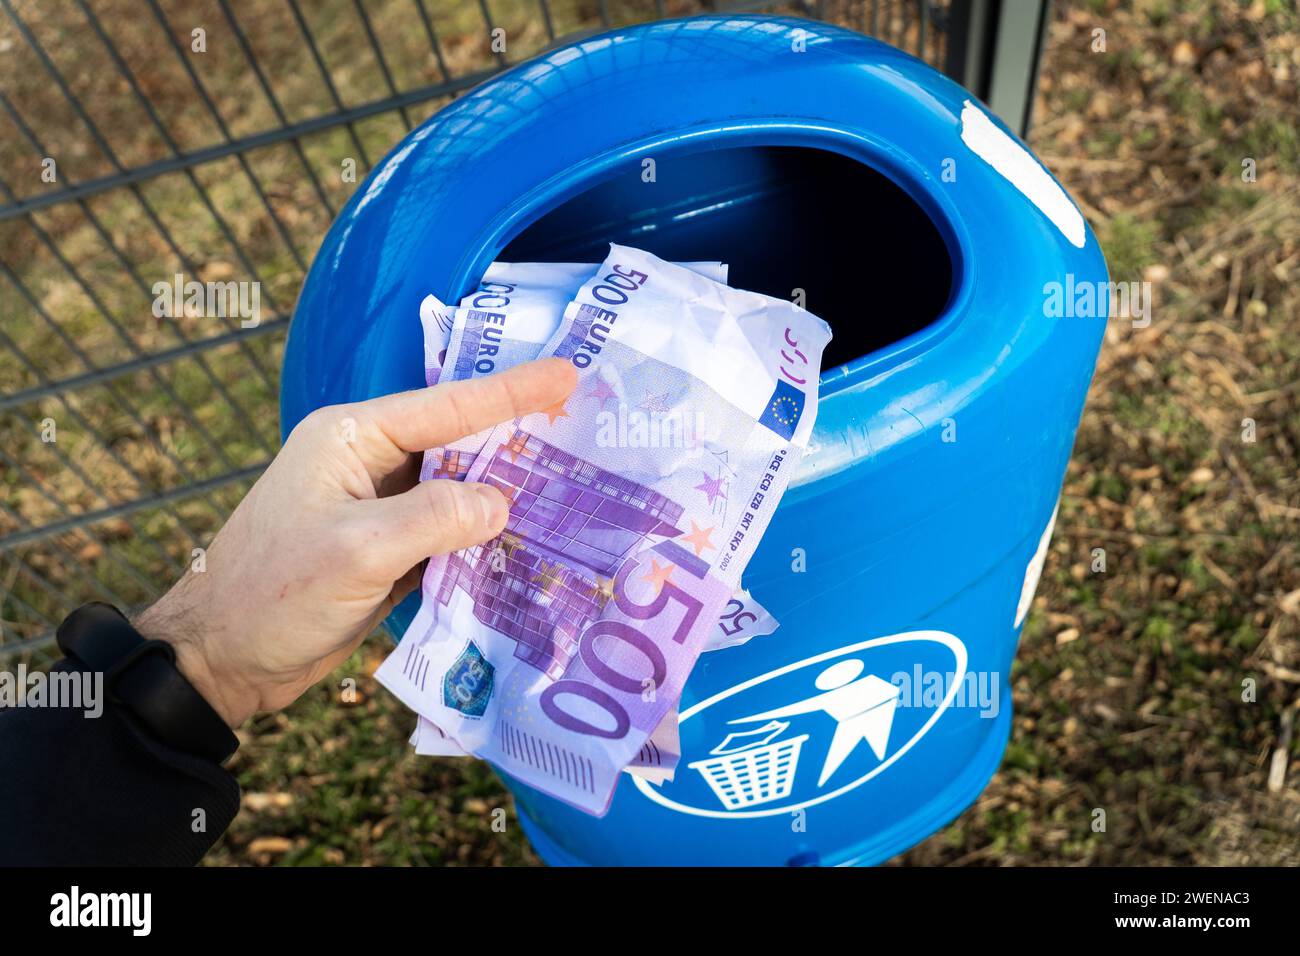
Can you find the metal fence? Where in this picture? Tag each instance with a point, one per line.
(147, 143)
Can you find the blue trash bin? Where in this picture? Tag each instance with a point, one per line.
(821, 163)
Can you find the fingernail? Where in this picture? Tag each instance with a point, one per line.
(493, 504)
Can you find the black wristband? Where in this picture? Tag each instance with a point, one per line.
(142, 676)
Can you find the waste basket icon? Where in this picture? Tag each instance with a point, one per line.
(753, 771)
(828, 167)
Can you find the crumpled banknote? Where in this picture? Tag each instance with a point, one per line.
(516, 309)
(557, 650)
(504, 322)
(509, 317)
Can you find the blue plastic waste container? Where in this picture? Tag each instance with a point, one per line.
(817, 162)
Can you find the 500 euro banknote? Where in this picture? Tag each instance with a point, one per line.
(556, 650)
(517, 308)
(504, 322)
(511, 315)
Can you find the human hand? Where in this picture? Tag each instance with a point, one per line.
(333, 534)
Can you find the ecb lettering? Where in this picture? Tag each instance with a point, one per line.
(756, 501)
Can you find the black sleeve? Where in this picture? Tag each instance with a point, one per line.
(81, 790)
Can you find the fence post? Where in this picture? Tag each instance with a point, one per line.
(994, 49)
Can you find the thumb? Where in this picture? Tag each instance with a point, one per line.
(435, 517)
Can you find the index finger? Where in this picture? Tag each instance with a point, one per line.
(412, 421)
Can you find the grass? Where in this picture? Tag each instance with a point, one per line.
(1137, 714)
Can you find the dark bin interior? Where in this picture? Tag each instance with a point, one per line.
(871, 261)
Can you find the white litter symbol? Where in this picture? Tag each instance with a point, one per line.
(749, 768)
(861, 709)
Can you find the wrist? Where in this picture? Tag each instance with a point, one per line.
(224, 693)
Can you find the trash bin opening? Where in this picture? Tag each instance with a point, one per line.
(869, 258)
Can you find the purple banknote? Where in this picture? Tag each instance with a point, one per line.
(557, 650)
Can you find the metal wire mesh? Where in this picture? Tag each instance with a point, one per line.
(149, 144)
